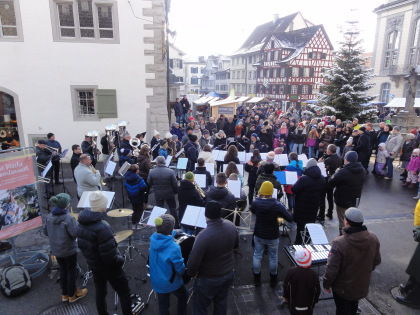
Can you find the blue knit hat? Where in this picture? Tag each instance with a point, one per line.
(351, 156)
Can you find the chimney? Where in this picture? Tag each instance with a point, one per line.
(275, 18)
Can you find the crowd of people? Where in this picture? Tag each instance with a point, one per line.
(263, 132)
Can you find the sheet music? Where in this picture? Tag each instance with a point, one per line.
(316, 233)
(209, 167)
(221, 156)
(235, 187)
(215, 154)
(182, 163)
(84, 200)
(46, 169)
(156, 212)
(303, 158)
(274, 193)
(291, 178)
(201, 180)
(64, 153)
(321, 166)
(248, 156)
(242, 156)
(240, 168)
(179, 153)
(168, 160)
(110, 168)
(124, 168)
(194, 216)
(283, 160)
(263, 156)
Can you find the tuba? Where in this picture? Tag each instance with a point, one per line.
(122, 128)
(110, 134)
(135, 143)
(200, 191)
(94, 135)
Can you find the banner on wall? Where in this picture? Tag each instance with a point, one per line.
(19, 204)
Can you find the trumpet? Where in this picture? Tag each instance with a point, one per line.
(52, 149)
(200, 191)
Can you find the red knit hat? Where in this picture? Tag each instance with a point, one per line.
(303, 258)
(414, 131)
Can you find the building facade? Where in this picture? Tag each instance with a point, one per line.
(176, 72)
(81, 65)
(397, 48)
(222, 76)
(194, 71)
(208, 79)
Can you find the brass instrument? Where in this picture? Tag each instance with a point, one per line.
(200, 191)
(51, 148)
(110, 134)
(93, 169)
(94, 135)
(122, 128)
(135, 143)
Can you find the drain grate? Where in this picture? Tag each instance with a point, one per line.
(67, 309)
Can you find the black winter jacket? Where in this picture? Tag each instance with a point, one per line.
(332, 163)
(348, 183)
(97, 243)
(267, 211)
(229, 129)
(363, 147)
(222, 195)
(308, 190)
(188, 195)
(298, 136)
(407, 149)
(252, 174)
(269, 178)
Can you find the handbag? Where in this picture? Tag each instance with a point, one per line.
(311, 142)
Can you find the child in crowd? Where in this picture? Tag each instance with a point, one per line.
(413, 169)
(301, 286)
(349, 147)
(311, 141)
(294, 166)
(381, 156)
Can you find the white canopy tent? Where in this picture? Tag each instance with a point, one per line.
(400, 103)
(258, 100)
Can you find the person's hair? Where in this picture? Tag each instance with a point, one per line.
(207, 148)
(231, 168)
(231, 153)
(144, 150)
(328, 131)
(269, 168)
(84, 157)
(293, 157)
(200, 162)
(74, 147)
(233, 176)
(221, 178)
(256, 157)
(332, 148)
(160, 160)
(133, 168)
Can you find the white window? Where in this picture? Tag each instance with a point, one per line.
(294, 89)
(281, 89)
(276, 55)
(243, 74)
(254, 76)
(415, 45)
(84, 102)
(85, 21)
(391, 49)
(250, 75)
(385, 88)
(306, 72)
(282, 72)
(295, 72)
(10, 21)
(305, 89)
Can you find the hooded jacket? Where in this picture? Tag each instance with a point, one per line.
(207, 156)
(348, 183)
(267, 211)
(363, 147)
(177, 132)
(353, 257)
(222, 195)
(165, 261)
(414, 164)
(394, 144)
(381, 155)
(61, 229)
(96, 241)
(135, 187)
(269, 178)
(308, 190)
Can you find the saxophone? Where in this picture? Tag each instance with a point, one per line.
(200, 191)
(93, 169)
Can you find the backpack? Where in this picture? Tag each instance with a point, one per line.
(15, 280)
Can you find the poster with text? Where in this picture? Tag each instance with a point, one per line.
(19, 205)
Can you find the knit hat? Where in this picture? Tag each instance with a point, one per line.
(254, 135)
(61, 200)
(354, 216)
(174, 137)
(303, 258)
(191, 118)
(414, 131)
(351, 156)
(266, 189)
(168, 135)
(155, 133)
(189, 176)
(270, 156)
(213, 210)
(362, 128)
(165, 224)
(49, 135)
(311, 162)
(163, 142)
(300, 124)
(349, 140)
(98, 201)
(398, 128)
(193, 138)
(125, 152)
(42, 141)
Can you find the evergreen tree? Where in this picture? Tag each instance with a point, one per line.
(347, 82)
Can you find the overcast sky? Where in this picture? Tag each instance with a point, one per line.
(221, 26)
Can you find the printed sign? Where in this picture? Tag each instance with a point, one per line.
(225, 110)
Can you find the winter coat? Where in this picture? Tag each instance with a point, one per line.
(43, 157)
(203, 141)
(74, 161)
(269, 178)
(207, 156)
(219, 142)
(381, 155)
(155, 152)
(124, 158)
(177, 109)
(308, 190)
(381, 137)
(61, 229)
(301, 288)
(163, 152)
(191, 153)
(341, 140)
(87, 149)
(363, 147)
(414, 164)
(166, 263)
(177, 132)
(222, 195)
(185, 106)
(413, 266)
(266, 211)
(135, 187)
(394, 144)
(229, 129)
(299, 136)
(202, 170)
(220, 123)
(267, 139)
(407, 149)
(252, 174)
(332, 163)
(163, 181)
(144, 166)
(86, 179)
(210, 127)
(188, 196)
(96, 241)
(257, 145)
(348, 183)
(417, 215)
(353, 257)
(185, 138)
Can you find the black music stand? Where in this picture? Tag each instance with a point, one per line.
(64, 188)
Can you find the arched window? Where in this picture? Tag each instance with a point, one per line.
(391, 48)
(385, 88)
(414, 45)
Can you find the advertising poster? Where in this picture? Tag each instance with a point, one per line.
(19, 205)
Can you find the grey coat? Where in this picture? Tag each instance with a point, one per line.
(413, 267)
(394, 144)
(86, 180)
(62, 232)
(163, 181)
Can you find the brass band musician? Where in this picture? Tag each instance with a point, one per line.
(87, 177)
(89, 147)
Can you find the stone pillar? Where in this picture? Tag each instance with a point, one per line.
(157, 113)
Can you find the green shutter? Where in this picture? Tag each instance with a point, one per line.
(301, 72)
(310, 89)
(290, 71)
(107, 103)
(300, 89)
(312, 72)
(289, 89)
(310, 55)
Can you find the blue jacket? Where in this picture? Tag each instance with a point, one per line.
(163, 152)
(177, 132)
(293, 168)
(135, 187)
(178, 109)
(165, 261)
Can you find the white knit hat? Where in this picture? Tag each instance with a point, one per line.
(155, 133)
(98, 201)
(303, 258)
(168, 135)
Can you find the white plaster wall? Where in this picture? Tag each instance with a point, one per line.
(41, 71)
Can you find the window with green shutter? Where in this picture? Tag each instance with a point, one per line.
(312, 72)
(107, 103)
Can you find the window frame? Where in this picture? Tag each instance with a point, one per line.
(74, 89)
(294, 89)
(382, 91)
(295, 72)
(391, 53)
(55, 22)
(19, 29)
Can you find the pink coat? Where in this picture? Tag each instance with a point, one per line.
(414, 164)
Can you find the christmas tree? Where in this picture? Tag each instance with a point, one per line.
(347, 82)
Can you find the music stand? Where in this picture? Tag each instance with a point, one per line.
(64, 188)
